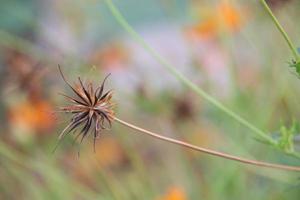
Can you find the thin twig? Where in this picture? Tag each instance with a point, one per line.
(209, 151)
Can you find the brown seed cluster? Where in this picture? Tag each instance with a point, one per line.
(91, 109)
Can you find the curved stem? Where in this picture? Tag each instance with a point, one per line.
(208, 151)
(118, 16)
(281, 30)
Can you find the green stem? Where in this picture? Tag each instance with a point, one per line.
(118, 16)
(281, 29)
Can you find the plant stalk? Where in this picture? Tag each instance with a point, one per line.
(121, 20)
(208, 151)
(281, 30)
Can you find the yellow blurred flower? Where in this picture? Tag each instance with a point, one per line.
(174, 193)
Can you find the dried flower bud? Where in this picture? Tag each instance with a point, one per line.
(90, 109)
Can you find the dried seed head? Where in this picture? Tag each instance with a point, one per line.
(91, 109)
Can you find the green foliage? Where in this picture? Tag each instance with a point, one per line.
(296, 65)
(287, 135)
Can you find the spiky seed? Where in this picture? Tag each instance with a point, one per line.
(90, 108)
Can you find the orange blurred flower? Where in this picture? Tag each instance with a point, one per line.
(229, 16)
(109, 152)
(224, 17)
(31, 116)
(108, 155)
(112, 57)
(205, 29)
(174, 193)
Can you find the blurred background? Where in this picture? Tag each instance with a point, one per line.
(230, 48)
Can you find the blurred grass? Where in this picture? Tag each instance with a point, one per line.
(129, 166)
